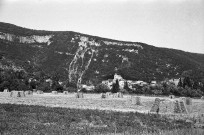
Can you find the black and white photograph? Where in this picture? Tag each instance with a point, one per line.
(101, 67)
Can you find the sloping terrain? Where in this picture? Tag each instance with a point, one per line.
(79, 57)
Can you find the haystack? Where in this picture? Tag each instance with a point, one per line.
(169, 106)
(202, 98)
(28, 92)
(120, 95)
(188, 101)
(103, 95)
(34, 90)
(17, 94)
(39, 92)
(108, 94)
(79, 95)
(117, 95)
(65, 92)
(135, 100)
(183, 107)
(177, 108)
(54, 92)
(155, 107)
(114, 95)
(6, 90)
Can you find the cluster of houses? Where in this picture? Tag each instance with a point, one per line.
(121, 82)
(131, 83)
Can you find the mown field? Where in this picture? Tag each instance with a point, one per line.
(67, 115)
(24, 119)
(94, 101)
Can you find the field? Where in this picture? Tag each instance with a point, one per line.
(94, 101)
(65, 114)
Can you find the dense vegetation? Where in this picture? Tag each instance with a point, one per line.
(39, 61)
(23, 119)
(20, 80)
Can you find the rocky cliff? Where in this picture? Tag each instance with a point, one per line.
(79, 58)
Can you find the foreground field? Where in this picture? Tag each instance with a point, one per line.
(33, 120)
(65, 114)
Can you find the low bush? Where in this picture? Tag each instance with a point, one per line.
(102, 88)
(71, 89)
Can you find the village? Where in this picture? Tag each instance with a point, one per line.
(130, 83)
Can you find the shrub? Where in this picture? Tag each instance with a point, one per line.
(157, 92)
(71, 89)
(102, 88)
(147, 90)
(57, 87)
(126, 89)
(84, 90)
(45, 87)
(196, 93)
(115, 87)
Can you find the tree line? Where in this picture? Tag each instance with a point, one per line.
(21, 80)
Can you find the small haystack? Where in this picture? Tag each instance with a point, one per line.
(6, 90)
(28, 92)
(117, 95)
(155, 107)
(120, 95)
(65, 92)
(183, 107)
(169, 106)
(17, 94)
(79, 95)
(34, 90)
(177, 108)
(39, 92)
(114, 95)
(54, 92)
(188, 101)
(108, 94)
(103, 95)
(136, 100)
(202, 98)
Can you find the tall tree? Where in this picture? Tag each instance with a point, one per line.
(180, 84)
(126, 87)
(115, 87)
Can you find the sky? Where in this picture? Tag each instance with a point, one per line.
(177, 24)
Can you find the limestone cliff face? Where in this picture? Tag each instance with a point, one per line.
(26, 39)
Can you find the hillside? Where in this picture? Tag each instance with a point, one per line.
(80, 58)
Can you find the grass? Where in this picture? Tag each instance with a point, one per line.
(30, 119)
